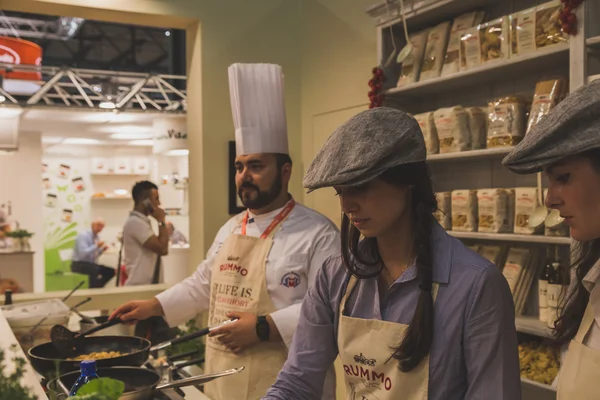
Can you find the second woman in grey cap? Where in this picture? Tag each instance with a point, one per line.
(412, 313)
(566, 145)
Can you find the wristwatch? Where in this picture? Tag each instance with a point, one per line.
(262, 328)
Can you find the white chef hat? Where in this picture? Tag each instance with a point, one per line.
(258, 108)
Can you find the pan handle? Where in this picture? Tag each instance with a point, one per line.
(195, 361)
(190, 336)
(196, 380)
(105, 325)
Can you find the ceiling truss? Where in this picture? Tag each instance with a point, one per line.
(101, 90)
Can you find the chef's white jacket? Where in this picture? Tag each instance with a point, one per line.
(304, 240)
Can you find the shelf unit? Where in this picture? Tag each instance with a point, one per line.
(115, 174)
(511, 237)
(97, 198)
(575, 60)
(593, 42)
(539, 385)
(470, 154)
(485, 74)
(533, 326)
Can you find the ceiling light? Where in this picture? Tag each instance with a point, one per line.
(81, 141)
(167, 33)
(144, 142)
(20, 87)
(178, 152)
(107, 105)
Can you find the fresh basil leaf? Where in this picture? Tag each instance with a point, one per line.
(111, 388)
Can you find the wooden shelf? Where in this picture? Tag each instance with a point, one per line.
(115, 174)
(537, 384)
(112, 198)
(511, 237)
(593, 41)
(533, 326)
(422, 12)
(470, 154)
(493, 72)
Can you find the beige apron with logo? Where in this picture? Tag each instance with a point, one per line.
(581, 369)
(238, 283)
(365, 346)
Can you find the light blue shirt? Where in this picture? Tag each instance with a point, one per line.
(86, 248)
(474, 352)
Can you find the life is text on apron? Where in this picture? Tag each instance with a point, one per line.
(238, 283)
(365, 346)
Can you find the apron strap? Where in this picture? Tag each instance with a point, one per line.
(349, 288)
(586, 323)
(275, 224)
(352, 283)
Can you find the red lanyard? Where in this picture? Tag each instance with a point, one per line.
(276, 221)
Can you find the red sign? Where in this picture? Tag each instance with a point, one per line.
(20, 52)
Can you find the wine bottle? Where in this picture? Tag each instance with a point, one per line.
(555, 286)
(543, 288)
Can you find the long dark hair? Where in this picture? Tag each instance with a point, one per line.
(586, 254)
(366, 263)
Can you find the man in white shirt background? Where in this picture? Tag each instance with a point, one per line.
(88, 247)
(262, 261)
(142, 249)
(142, 252)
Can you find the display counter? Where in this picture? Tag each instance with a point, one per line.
(17, 265)
(7, 340)
(102, 300)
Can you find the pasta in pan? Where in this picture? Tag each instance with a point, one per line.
(96, 356)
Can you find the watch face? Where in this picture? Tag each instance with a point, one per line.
(262, 329)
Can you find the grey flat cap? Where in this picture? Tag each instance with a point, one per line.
(570, 128)
(364, 147)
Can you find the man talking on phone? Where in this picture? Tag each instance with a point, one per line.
(142, 249)
(142, 252)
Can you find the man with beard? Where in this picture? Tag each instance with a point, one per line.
(262, 261)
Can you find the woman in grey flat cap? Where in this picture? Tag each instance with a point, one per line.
(566, 145)
(412, 313)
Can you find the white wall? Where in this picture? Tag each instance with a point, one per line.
(20, 182)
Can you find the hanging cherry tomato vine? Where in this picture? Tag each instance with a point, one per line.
(376, 84)
(567, 17)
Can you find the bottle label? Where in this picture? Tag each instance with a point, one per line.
(553, 294)
(543, 293)
(544, 314)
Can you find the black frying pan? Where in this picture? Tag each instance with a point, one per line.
(140, 383)
(47, 360)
